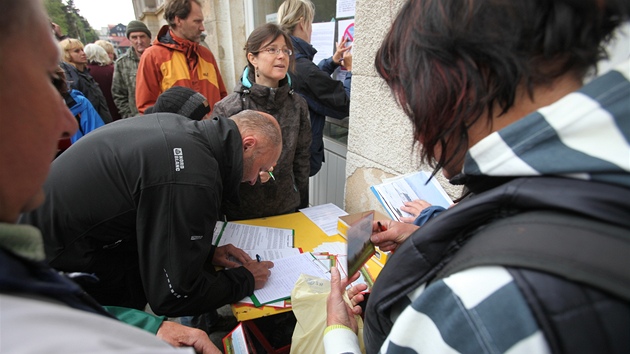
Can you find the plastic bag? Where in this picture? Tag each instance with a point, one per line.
(308, 300)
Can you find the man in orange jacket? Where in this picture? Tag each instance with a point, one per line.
(177, 59)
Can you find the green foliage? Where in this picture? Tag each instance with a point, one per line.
(70, 21)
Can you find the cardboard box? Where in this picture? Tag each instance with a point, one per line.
(344, 222)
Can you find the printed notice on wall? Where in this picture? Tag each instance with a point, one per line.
(323, 39)
(345, 8)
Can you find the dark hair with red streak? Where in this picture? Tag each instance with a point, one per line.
(450, 63)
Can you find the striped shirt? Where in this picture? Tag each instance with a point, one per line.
(584, 135)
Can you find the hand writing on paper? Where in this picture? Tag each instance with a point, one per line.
(223, 253)
(260, 271)
(414, 208)
(390, 234)
(179, 335)
(339, 312)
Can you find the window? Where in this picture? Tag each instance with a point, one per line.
(324, 10)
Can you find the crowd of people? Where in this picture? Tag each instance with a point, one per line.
(146, 160)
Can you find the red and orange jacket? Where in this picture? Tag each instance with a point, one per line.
(173, 61)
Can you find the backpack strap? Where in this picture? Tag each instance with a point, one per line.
(579, 249)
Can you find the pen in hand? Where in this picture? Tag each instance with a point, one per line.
(271, 175)
(258, 258)
(382, 228)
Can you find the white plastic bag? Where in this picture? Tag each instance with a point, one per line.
(308, 300)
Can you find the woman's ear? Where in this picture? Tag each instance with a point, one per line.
(302, 23)
(252, 59)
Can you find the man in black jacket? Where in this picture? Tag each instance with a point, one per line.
(137, 202)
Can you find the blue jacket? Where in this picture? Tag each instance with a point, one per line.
(89, 118)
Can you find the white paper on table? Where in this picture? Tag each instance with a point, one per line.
(270, 255)
(325, 217)
(285, 273)
(250, 237)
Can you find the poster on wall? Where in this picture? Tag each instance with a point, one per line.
(345, 29)
(322, 39)
(345, 8)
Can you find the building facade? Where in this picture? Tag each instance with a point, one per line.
(355, 159)
(381, 145)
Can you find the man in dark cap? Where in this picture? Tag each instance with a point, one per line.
(183, 101)
(124, 81)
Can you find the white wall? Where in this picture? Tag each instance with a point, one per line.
(380, 138)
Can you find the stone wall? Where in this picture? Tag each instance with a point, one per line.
(380, 142)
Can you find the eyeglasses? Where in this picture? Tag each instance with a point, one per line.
(276, 51)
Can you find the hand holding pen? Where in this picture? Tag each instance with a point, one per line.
(388, 234)
(260, 270)
(265, 176)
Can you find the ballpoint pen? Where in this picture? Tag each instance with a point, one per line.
(258, 258)
(272, 176)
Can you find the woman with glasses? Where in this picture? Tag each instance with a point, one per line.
(325, 95)
(266, 86)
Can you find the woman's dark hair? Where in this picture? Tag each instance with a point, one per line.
(450, 63)
(264, 35)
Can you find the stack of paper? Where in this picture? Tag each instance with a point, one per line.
(395, 192)
(325, 217)
(250, 237)
(284, 275)
(266, 243)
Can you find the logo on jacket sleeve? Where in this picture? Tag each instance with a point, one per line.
(179, 158)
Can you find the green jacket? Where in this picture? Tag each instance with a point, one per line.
(137, 318)
(124, 84)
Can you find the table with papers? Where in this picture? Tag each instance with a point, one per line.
(308, 237)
